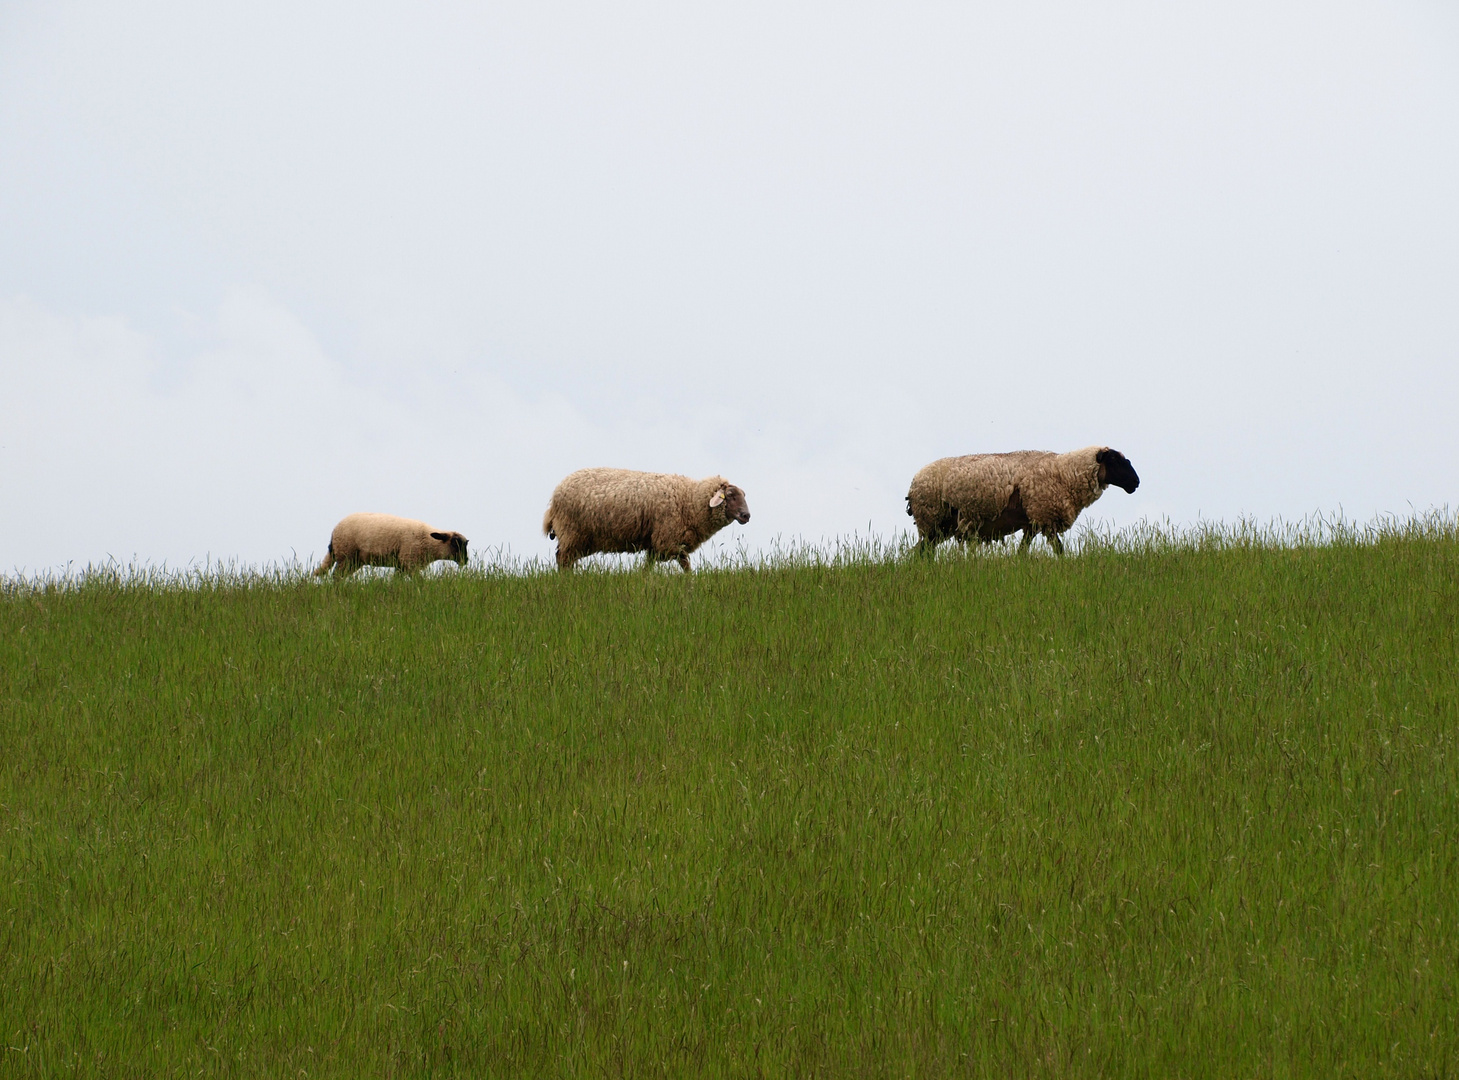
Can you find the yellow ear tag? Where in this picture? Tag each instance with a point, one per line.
(717, 498)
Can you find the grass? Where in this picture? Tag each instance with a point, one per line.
(1180, 806)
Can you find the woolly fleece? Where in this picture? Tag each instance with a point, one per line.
(986, 497)
(620, 510)
(386, 540)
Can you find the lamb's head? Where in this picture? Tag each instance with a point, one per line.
(732, 500)
(453, 546)
(1115, 468)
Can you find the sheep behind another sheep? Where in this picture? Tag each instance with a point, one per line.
(386, 540)
(985, 497)
(620, 510)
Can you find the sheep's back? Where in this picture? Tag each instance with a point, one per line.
(376, 535)
(616, 503)
(980, 485)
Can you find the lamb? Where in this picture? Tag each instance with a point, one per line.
(386, 540)
(985, 497)
(620, 510)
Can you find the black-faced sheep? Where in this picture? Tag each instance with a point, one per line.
(620, 510)
(386, 540)
(985, 497)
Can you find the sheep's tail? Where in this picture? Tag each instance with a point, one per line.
(547, 529)
(328, 561)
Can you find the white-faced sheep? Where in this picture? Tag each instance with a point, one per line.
(620, 510)
(386, 540)
(985, 497)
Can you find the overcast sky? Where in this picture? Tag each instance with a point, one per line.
(262, 265)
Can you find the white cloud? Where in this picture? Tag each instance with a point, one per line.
(251, 449)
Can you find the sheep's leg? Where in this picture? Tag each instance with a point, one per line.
(412, 558)
(937, 533)
(326, 565)
(1056, 543)
(1027, 541)
(684, 562)
(933, 529)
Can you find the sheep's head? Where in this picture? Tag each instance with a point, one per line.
(733, 501)
(1115, 468)
(455, 545)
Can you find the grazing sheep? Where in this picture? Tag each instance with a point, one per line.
(386, 540)
(985, 497)
(620, 510)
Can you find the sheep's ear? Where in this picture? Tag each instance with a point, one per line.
(443, 537)
(717, 497)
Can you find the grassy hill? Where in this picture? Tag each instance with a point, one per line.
(1182, 808)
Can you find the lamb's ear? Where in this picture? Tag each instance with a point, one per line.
(717, 497)
(443, 537)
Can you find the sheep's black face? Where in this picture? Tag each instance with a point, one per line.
(455, 544)
(1117, 470)
(735, 506)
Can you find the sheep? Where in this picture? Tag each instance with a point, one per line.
(985, 497)
(620, 510)
(386, 540)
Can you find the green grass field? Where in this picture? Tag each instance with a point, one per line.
(1168, 808)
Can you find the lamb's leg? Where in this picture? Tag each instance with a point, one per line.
(411, 559)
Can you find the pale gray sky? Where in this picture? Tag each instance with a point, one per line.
(263, 264)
